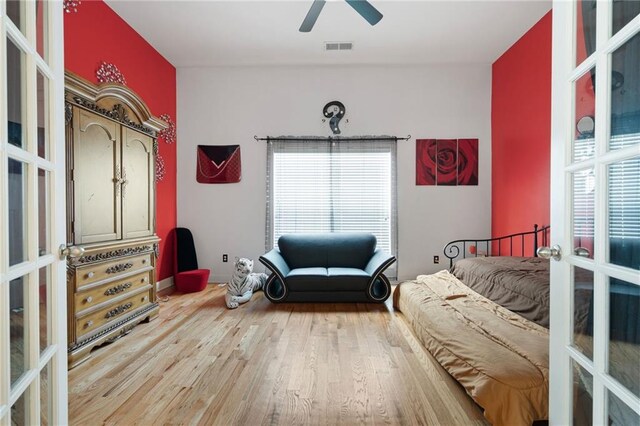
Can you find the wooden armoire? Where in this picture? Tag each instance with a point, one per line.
(111, 239)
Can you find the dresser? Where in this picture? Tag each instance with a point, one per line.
(111, 242)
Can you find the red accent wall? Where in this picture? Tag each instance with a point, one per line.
(521, 133)
(95, 34)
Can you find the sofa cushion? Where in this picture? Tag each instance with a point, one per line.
(348, 250)
(347, 279)
(307, 279)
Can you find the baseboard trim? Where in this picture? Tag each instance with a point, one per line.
(165, 284)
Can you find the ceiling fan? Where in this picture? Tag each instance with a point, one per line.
(363, 7)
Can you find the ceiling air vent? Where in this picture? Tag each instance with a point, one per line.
(338, 45)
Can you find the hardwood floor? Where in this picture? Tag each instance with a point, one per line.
(200, 363)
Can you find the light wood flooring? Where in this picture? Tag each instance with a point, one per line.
(200, 363)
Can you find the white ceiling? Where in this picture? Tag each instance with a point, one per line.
(220, 33)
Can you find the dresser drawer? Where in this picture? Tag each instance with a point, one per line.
(113, 312)
(97, 272)
(96, 295)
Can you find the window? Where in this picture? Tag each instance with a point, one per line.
(322, 186)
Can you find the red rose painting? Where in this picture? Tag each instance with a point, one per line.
(467, 161)
(426, 150)
(447, 162)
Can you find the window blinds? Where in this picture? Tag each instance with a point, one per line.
(331, 186)
(623, 186)
(624, 191)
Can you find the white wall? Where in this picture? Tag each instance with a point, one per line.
(231, 105)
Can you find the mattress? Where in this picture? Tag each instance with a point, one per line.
(500, 358)
(520, 284)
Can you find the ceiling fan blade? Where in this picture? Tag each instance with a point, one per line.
(368, 12)
(312, 16)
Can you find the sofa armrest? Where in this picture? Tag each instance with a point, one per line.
(380, 261)
(274, 261)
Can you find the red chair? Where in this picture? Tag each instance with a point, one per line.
(188, 278)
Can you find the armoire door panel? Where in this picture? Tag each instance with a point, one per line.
(96, 178)
(137, 192)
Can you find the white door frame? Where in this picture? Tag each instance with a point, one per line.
(564, 73)
(55, 355)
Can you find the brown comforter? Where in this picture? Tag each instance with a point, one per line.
(520, 284)
(500, 358)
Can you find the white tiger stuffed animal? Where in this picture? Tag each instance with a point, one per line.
(243, 283)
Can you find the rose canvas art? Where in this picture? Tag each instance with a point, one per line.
(447, 162)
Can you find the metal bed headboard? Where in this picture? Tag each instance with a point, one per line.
(457, 248)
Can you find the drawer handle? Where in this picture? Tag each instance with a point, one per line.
(90, 275)
(145, 298)
(145, 279)
(117, 311)
(89, 299)
(88, 324)
(119, 268)
(144, 261)
(117, 289)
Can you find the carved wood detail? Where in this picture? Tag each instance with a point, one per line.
(117, 289)
(102, 99)
(119, 268)
(114, 254)
(117, 311)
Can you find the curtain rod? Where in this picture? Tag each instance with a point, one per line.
(331, 138)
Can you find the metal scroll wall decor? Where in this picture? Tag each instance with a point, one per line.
(71, 5)
(334, 111)
(109, 73)
(160, 169)
(168, 134)
(169, 137)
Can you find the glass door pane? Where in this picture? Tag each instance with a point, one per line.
(17, 328)
(624, 213)
(583, 311)
(44, 215)
(16, 11)
(45, 396)
(619, 413)
(624, 334)
(15, 95)
(625, 95)
(17, 211)
(42, 11)
(44, 277)
(42, 88)
(585, 34)
(584, 117)
(582, 396)
(583, 212)
(623, 12)
(19, 411)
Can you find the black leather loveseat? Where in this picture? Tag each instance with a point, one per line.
(331, 267)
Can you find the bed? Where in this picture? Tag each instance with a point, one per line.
(486, 322)
(520, 284)
(506, 270)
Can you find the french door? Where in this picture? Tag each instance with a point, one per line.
(33, 361)
(595, 213)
